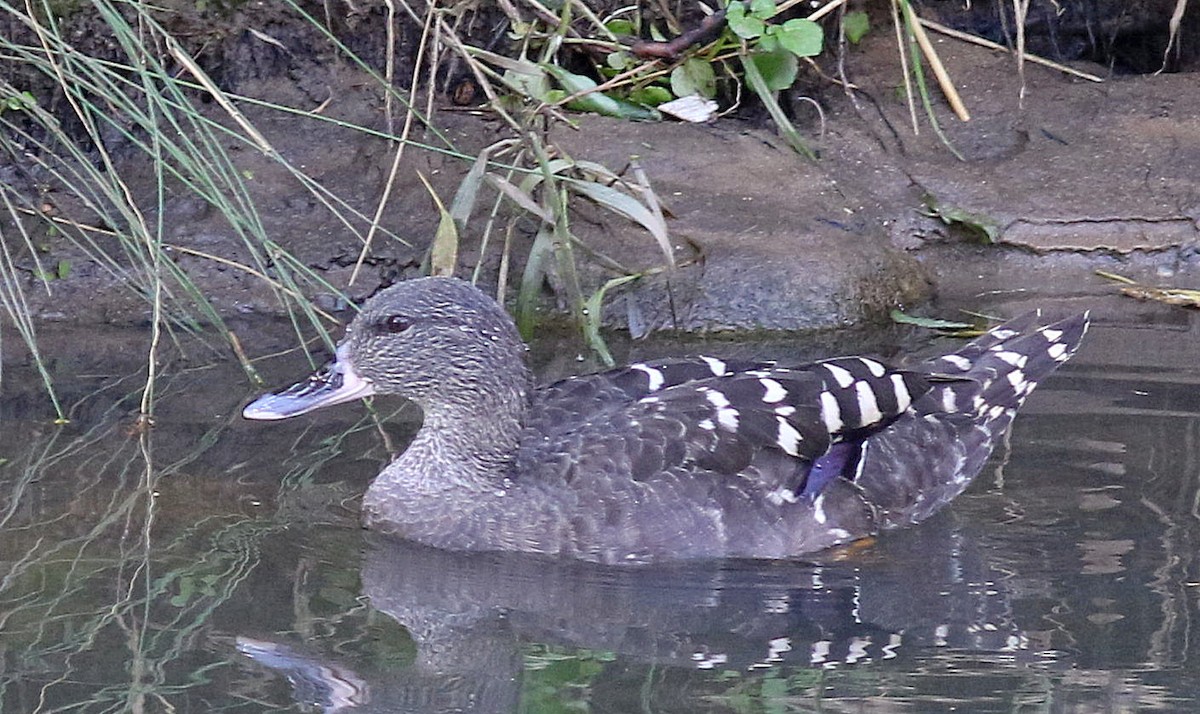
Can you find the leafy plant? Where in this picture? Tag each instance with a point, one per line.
(694, 76)
(22, 101)
(798, 37)
(986, 228)
(748, 37)
(62, 269)
(856, 25)
(145, 99)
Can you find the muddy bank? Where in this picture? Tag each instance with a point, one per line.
(1081, 176)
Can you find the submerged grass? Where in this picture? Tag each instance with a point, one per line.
(123, 577)
(138, 105)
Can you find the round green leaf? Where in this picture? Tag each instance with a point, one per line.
(695, 76)
(802, 38)
(778, 69)
(621, 27)
(619, 60)
(743, 25)
(856, 24)
(762, 8)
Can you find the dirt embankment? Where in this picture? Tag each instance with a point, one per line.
(1076, 175)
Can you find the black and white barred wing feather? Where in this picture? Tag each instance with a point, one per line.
(765, 424)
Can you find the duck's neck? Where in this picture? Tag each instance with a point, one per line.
(464, 450)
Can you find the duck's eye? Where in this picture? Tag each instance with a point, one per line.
(396, 324)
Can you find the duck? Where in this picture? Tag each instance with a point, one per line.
(672, 459)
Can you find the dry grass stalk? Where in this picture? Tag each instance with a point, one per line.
(935, 63)
(1035, 59)
(404, 133)
(1020, 12)
(1176, 19)
(902, 47)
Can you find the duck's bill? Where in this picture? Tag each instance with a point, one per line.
(334, 383)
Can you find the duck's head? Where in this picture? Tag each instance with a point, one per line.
(440, 342)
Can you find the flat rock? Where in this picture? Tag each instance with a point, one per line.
(766, 238)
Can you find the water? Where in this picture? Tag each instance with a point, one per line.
(211, 565)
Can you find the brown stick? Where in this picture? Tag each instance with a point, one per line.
(708, 28)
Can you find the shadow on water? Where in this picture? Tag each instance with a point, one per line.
(213, 565)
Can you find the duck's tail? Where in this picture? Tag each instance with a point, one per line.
(922, 461)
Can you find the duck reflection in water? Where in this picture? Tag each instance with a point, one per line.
(925, 591)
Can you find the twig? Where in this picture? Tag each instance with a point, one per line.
(816, 14)
(549, 17)
(389, 73)
(1173, 26)
(1020, 12)
(708, 28)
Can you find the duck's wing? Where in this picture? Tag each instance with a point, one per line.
(760, 426)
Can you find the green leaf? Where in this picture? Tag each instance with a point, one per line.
(595, 310)
(18, 102)
(855, 25)
(187, 587)
(929, 322)
(778, 69)
(651, 96)
(534, 86)
(628, 206)
(694, 76)
(762, 9)
(768, 42)
(468, 191)
(521, 196)
(532, 279)
(743, 25)
(980, 224)
(601, 103)
(623, 27)
(443, 252)
(63, 270)
(802, 38)
(597, 101)
(769, 99)
(619, 61)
